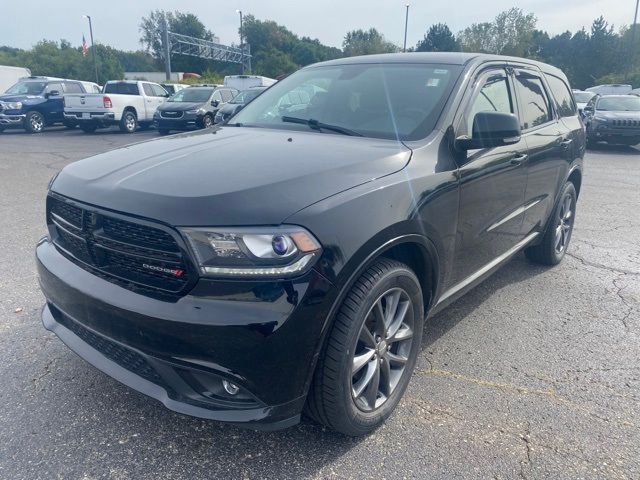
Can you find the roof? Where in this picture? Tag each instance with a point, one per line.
(448, 58)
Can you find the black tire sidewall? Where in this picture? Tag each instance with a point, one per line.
(123, 123)
(358, 421)
(550, 240)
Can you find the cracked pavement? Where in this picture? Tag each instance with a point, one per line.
(534, 374)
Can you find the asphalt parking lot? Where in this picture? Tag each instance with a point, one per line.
(534, 374)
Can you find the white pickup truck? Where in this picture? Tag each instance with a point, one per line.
(129, 104)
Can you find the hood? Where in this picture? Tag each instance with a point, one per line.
(620, 115)
(16, 98)
(229, 176)
(180, 106)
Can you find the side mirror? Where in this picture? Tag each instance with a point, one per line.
(53, 93)
(491, 129)
(588, 110)
(215, 103)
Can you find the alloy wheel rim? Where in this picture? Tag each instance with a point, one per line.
(565, 223)
(207, 121)
(382, 349)
(130, 122)
(36, 122)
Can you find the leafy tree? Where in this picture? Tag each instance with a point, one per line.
(510, 33)
(477, 38)
(361, 42)
(439, 38)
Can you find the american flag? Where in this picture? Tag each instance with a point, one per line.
(85, 47)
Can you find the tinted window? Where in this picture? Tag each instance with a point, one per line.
(583, 97)
(72, 87)
(148, 91)
(381, 100)
(532, 101)
(494, 96)
(564, 101)
(121, 88)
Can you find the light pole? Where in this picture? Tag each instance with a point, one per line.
(93, 48)
(406, 22)
(633, 38)
(241, 44)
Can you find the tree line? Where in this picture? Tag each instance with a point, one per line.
(600, 54)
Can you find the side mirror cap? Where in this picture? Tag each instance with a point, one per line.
(53, 93)
(491, 129)
(215, 103)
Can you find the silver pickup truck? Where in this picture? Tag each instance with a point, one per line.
(128, 104)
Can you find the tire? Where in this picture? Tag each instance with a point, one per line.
(88, 127)
(34, 122)
(341, 373)
(207, 121)
(554, 244)
(163, 132)
(128, 122)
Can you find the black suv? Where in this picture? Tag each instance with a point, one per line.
(192, 107)
(287, 261)
(613, 119)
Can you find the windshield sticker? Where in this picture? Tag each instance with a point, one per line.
(439, 71)
(433, 82)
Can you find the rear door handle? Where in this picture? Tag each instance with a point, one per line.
(518, 159)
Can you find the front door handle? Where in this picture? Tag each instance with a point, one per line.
(518, 159)
(566, 143)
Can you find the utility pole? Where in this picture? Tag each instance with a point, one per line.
(241, 39)
(93, 48)
(167, 48)
(633, 38)
(406, 22)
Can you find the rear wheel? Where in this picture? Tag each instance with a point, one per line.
(555, 241)
(372, 348)
(128, 122)
(34, 122)
(207, 121)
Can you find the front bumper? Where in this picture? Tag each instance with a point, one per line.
(7, 120)
(263, 337)
(183, 123)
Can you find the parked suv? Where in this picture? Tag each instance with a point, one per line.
(36, 103)
(613, 119)
(193, 107)
(288, 260)
(239, 101)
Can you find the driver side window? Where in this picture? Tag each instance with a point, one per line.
(493, 96)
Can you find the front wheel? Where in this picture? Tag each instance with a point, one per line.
(555, 241)
(128, 122)
(372, 348)
(34, 122)
(207, 121)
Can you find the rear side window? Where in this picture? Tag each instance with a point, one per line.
(533, 104)
(564, 100)
(226, 95)
(72, 87)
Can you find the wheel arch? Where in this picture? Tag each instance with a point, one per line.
(575, 177)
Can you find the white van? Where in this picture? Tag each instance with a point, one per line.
(11, 75)
(244, 82)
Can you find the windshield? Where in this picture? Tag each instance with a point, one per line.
(192, 95)
(393, 101)
(616, 104)
(583, 97)
(246, 96)
(27, 88)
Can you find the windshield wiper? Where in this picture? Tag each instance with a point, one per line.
(316, 125)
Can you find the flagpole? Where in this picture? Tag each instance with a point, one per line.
(93, 49)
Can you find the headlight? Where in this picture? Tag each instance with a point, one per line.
(12, 105)
(253, 252)
(199, 111)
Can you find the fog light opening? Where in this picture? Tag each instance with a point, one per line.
(230, 388)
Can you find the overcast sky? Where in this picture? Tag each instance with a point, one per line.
(115, 22)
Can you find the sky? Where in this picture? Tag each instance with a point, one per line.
(115, 22)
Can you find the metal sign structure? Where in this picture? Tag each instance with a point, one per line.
(196, 47)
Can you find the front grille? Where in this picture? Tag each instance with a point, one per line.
(129, 253)
(626, 123)
(125, 357)
(165, 114)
